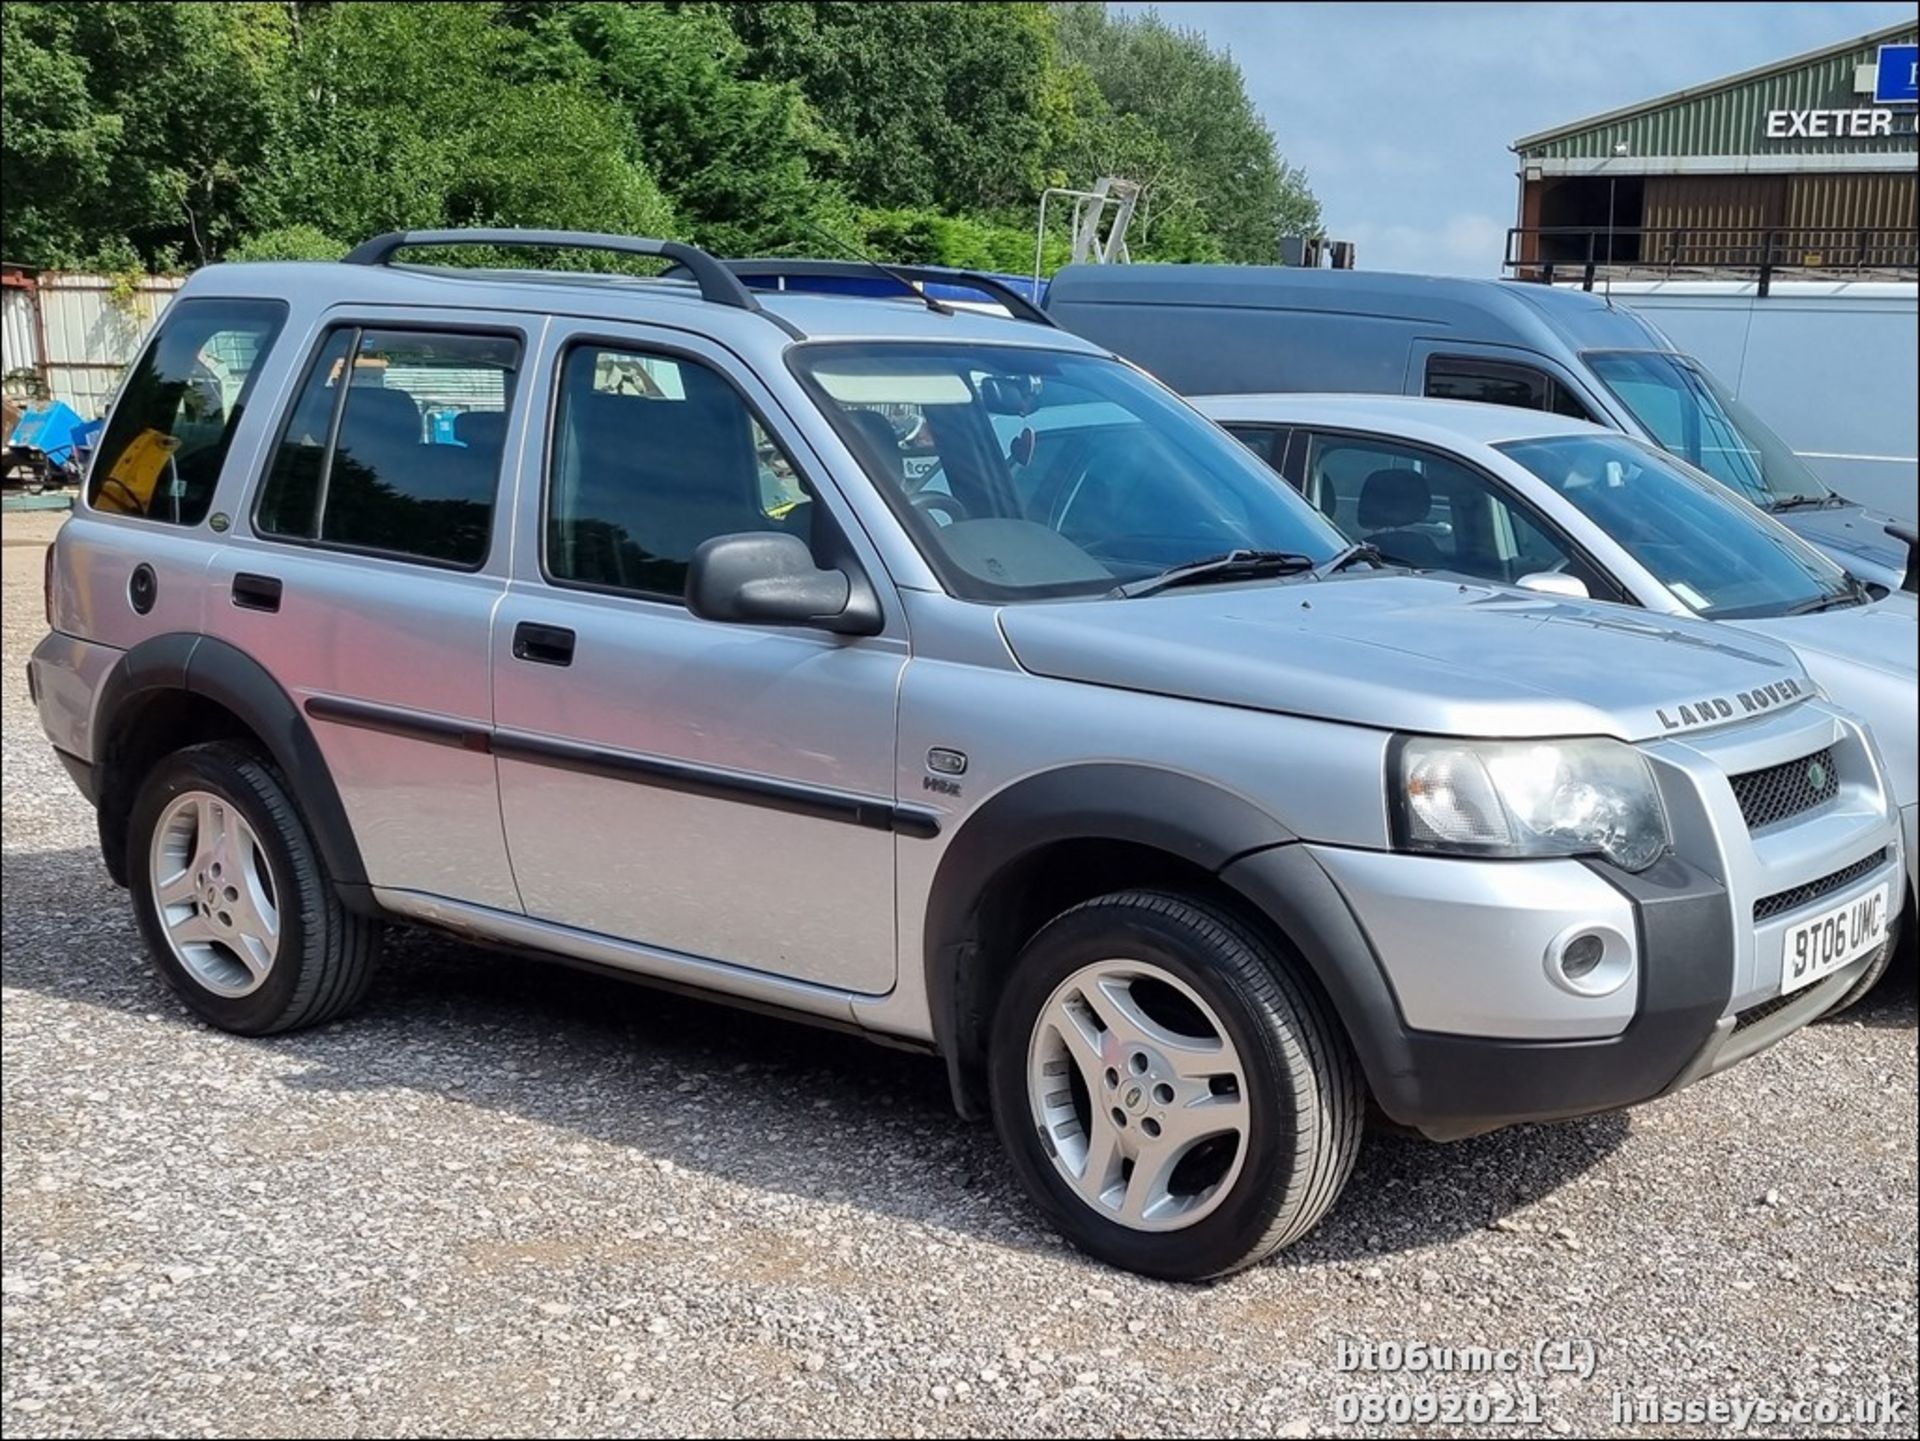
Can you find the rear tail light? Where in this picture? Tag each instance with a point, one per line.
(46, 584)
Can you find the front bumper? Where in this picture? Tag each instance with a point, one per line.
(1450, 1084)
(1439, 968)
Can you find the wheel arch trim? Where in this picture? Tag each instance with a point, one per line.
(217, 671)
(1187, 818)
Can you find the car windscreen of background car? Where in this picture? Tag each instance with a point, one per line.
(1720, 556)
(1691, 414)
(1028, 473)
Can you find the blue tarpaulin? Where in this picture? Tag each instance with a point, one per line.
(52, 428)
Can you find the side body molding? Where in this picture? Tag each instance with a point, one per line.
(169, 666)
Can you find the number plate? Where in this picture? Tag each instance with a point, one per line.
(1819, 947)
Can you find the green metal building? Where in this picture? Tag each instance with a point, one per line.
(1807, 163)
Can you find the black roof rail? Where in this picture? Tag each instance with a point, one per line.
(777, 268)
(716, 282)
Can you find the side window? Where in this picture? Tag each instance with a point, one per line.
(1496, 382)
(1372, 489)
(168, 436)
(1534, 547)
(1269, 442)
(1424, 510)
(394, 446)
(652, 455)
(1488, 381)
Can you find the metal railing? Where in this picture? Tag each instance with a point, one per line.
(1548, 253)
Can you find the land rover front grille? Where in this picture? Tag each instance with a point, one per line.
(1781, 792)
(1781, 902)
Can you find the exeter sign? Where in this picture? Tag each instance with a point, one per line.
(1858, 124)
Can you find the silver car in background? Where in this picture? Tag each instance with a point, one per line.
(1558, 505)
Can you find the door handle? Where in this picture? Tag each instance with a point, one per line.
(543, 644)
(256, 592)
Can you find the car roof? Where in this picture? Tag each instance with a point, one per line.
(1470, 308)
(1409, 415)
(636, 300)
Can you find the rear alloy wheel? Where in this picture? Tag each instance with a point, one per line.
(1170, 1094)
(215, 894)
(233, 899)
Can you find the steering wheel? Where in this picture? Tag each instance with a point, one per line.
(939, 507)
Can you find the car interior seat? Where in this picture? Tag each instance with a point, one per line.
(1392, 502)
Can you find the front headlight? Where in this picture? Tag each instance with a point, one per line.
(1526, 798)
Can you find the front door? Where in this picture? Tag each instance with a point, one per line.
(719, 791)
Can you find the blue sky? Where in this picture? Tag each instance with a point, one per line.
(1402, 114)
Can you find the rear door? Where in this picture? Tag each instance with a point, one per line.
(365, 570)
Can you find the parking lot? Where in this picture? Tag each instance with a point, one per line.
(507, 1197)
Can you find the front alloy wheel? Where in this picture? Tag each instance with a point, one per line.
(1172, 1091)
(1138, 1091)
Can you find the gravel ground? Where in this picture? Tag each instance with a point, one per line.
(509, 1198)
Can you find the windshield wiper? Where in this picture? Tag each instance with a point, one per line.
(1805, 502)
(1854, 594)
(1231, 565)
(1352, 555)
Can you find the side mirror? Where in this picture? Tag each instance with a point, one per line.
(1553, 582)
(1901, 530)
(769, 578)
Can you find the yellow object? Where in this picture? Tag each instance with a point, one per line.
(129, 486)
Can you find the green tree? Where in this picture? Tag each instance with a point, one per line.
(409, 115)
(940, 105)
(1215, 168)
(163, 133)
(737, 156)
(135, 132)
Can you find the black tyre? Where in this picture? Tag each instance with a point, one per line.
(1876, 971)
(1172, 1095)
(234, 901)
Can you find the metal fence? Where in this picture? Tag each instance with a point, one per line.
(1673, 251)
(69, 336)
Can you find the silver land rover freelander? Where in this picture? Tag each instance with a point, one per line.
(739, 641)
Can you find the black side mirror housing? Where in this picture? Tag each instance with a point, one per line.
(770, 578)
(1899, 530)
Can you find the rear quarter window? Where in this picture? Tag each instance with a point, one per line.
(171, 427)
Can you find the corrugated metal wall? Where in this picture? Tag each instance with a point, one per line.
(1728, 201)
(1881, 201)
(90, 333)
(1818, 206)
(1733, 121)
(1807, 216)
(19, 343)
(1678, 207)
(90, 338)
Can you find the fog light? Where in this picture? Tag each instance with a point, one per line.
(1582, 954)
(1589, 960)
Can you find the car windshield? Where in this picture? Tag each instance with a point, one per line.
(1026, 473)
(1690, 413)
(1720, 556)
